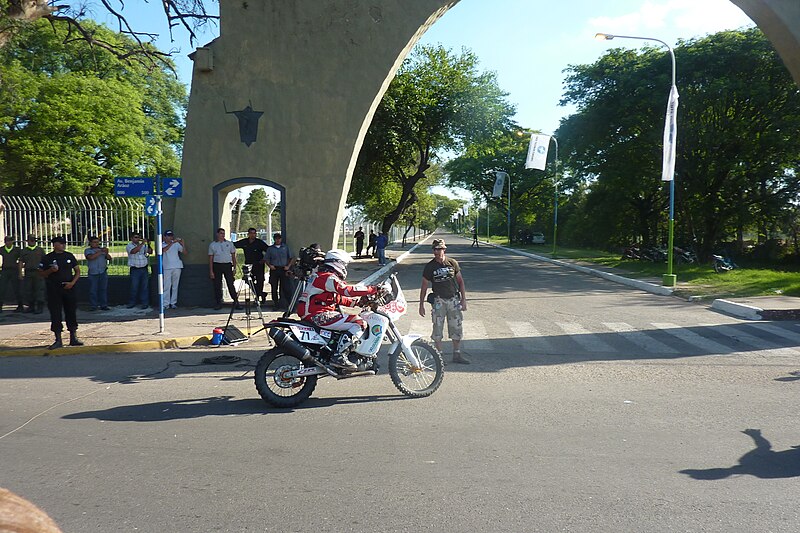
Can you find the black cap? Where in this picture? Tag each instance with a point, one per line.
(277, 236)
(58, 238)
(170, 233)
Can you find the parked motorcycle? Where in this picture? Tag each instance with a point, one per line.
(287, 374)
(722, 263)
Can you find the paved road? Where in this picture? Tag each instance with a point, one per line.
(589, 407)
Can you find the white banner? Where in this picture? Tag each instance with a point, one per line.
(497, 192)
(537, 152)
(670, 136)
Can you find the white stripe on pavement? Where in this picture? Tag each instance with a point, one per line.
(690, 337)
(585, 338)
(640, 338)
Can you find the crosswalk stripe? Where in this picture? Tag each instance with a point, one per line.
(755, 342)
(780, 332)
(640, 338)
(476, 338)
(534, 341)
(694, 339)
(584, 337)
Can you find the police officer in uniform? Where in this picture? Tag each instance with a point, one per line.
(61, 272)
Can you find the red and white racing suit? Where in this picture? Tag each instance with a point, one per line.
(320, 301)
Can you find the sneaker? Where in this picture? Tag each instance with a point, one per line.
(173, 306)
(74, 341)
(130, 306)
(105, 308)
(341, 361)
(55, 345)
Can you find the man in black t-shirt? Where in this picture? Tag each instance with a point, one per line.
(449, 298)
(359, 237)
(61, 272)
(254, 249)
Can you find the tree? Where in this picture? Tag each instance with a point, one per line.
(531, 190)
(72, 118)
(70, 20)
(737, 156)
(437, 102)
(257, 209)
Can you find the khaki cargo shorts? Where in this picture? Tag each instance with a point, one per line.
(450, 310)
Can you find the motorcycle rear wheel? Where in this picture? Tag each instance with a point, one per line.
(417, 381)
(277, 390)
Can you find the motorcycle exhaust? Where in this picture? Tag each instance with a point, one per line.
(291, 346)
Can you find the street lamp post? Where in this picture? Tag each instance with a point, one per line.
(670, 134)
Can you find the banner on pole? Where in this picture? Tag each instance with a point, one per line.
(670, 136)
(537, 152)
(499, 180)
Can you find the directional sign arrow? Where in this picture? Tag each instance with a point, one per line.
(170, 191)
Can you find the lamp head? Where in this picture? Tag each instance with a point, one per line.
(603, 36)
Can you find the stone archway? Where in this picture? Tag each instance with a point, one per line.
(220, 213)
(288, 91)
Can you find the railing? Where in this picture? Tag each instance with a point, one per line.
(111, 219)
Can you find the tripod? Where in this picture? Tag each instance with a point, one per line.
(249, 290)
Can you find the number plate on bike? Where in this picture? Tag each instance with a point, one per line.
(307, 334)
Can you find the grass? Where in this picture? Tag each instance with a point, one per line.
(697, 280)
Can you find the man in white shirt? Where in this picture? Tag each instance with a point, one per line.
(138, 250)
(221, 263)
(171, 249)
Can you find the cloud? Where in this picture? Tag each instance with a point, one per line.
(676, 18)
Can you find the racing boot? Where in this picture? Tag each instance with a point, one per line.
(347, 343)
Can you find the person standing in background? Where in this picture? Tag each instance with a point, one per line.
(10, 274)
(449, 298)
(138, 250)
(359, 236)
(32, 284)
(380, 245)
(279, 260)
(371, 244)
(254, 249)
(221, 264)
(61, 272)
(171, 249)
(97, 259)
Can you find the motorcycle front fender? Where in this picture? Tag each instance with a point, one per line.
(405, 345)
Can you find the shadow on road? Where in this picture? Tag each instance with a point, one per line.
(212, 406)
(762, 462)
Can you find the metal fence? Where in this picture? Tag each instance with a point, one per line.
(112, 219)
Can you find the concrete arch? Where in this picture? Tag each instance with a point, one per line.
(303, 78)
(220, 214)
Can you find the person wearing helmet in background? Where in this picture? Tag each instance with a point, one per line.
(325, 291)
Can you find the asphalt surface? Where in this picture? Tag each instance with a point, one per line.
(589, 406)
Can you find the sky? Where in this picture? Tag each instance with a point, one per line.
(527, 43)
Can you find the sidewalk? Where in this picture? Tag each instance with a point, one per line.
(136, 330)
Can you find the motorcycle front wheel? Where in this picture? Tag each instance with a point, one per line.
(417, 380)
(275, 387)
(718, 267)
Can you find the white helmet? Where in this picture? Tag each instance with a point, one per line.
(338, 255)
(337, 261)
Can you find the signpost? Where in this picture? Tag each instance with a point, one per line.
(152, 189)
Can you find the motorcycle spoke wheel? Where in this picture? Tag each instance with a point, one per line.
(273, 384)
(417, 380)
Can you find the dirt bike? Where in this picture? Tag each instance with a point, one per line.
(722, 263)
(287, 374)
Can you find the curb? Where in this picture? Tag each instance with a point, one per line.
(179, 342)
(745, 311)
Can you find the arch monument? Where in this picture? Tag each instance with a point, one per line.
(286, 93)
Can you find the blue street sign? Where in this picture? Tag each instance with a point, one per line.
(172, 187)
(133, 186)
(151, 206)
